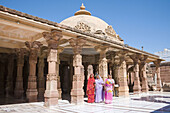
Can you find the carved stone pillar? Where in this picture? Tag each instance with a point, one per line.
(32, 92)
(89, 70)
(51, 92)
(136, 87)
(122, 75)
(9, 80)
(157, 64)
(57, 71)
(77, 93)
(19, 79)
(41, 79)
(103, 67)
(143, 73)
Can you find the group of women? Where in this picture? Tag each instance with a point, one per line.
(98, 91)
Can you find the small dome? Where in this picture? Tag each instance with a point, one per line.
(83, 20)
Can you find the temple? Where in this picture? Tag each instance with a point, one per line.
(41, 60)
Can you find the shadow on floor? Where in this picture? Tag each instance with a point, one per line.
(165, 109)
(157, 99)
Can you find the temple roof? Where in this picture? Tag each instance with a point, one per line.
(18, 27)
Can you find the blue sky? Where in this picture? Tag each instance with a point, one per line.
(139, 22)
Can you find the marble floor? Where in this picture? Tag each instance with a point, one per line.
(153, 102)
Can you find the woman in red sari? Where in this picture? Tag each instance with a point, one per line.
(91, 88)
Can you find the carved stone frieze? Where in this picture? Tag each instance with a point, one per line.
(77, 44)
(109, 30)
(77, 78)
(51, 77)
(53, 38)
(82, 26)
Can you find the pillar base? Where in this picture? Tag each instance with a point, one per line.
(41, 94)
(32, 95)
(77, 96)
(124, 91)
(145, 88)
(18, 93)
(50, 102)
(51, 98)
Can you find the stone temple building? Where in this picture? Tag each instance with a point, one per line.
(45, 60)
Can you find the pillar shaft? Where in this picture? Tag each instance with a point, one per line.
(9, 81)
(77, 93)
(157, 64)
(122, 77)
(89, 70)
(32, 92)
(19, 79)
(103, 67)
(136, 87)
(51, 92)
(144, 79)
(32, 79)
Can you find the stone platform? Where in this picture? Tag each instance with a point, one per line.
(154, 102)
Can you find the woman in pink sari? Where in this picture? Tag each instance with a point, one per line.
(109, 87)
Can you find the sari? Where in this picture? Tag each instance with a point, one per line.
(108, 90)
(99, 90)
(90, 89)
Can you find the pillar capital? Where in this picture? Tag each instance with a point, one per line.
(135, 58)
(143, 61)
(53, 38)
(20, 52)
(33, 47)
(157, 63)
(77, 44)
(119, 58)
(32, 92)
(102, 50)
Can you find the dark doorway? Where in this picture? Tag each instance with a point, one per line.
(65, 80)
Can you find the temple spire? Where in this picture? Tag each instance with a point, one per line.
(82, 7)
(82, 11)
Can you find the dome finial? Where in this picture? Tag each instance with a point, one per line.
(82, 11)
(82, 7)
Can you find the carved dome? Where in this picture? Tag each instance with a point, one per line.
(83, 20)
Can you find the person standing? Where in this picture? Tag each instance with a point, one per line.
(109, 88)
(90, 88)
(99, 89)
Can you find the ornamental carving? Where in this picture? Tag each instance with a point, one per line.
(51, 77)
(109, 30)
(20, 55)
(52, 56)
(77, 45)
(33, 55)
(33, 45)
(53, 38)
(82, 26)
(77, 78)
